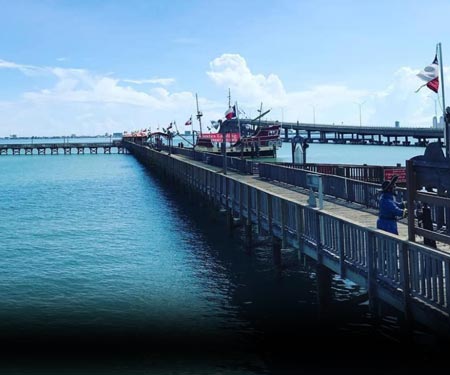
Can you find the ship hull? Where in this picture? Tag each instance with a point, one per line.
(246, 152)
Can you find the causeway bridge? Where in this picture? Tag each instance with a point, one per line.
(375, 135)
(366, 135)
(272, 202)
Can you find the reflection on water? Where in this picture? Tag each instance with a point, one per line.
(107, 269)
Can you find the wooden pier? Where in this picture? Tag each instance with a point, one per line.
(342, 237)
(65, 148)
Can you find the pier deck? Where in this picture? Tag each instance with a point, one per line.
(354, 212)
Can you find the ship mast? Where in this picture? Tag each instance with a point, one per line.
(199, 114)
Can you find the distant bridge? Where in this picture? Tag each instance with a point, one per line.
(376, 135)
(365, 134)
(56, 148)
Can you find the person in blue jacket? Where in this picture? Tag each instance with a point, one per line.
(390, 210)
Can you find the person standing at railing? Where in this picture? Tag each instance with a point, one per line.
(390, 210)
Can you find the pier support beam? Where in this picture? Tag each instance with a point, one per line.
(276, 250)
(248, 235)
(324, 292)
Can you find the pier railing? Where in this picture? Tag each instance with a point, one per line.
(366, 173)
(356, 189)
(244, 166)
(351, 190)
(413, 278)
(55, 148)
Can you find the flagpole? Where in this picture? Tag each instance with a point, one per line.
(199, 114)
(192, 130)
(446, 130)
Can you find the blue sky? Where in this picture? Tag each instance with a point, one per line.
(91, 67)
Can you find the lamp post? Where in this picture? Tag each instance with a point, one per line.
(434, 99)
(314, 114)
(360, 117)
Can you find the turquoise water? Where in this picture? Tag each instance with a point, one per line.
(353, 154)
(101, 258)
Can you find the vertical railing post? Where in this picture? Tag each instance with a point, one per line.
(226, 192)
(411, 191)
(405, 278)
(447, 284)
(371, 271)
(258, 210)
(318, 236)
(248, 222)
(341, 245)
(284, 243)
(269, 213)
(241, 201)
(299, 227)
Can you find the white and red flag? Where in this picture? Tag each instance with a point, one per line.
(188, 122)
(430, 75)
(230, 113)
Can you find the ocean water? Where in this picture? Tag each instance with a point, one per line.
(105, 268)
(353, 154)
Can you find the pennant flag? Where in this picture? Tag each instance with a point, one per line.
(430, 75)
(188, 122)
(230, 113)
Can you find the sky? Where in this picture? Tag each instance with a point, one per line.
(91, 67)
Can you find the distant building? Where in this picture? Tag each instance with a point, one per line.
(397, 124)
(187, 132)
(13, 136)
(440, 124)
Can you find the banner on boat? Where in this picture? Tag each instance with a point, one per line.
(218, 137)
(400, 172)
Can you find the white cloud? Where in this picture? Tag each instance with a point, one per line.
(329, 103)
(26, 69)
(79, 101)
(160, 81)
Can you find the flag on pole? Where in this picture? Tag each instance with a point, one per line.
(188, 122)
(430, 75)
(230, 113)
(169, 127)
